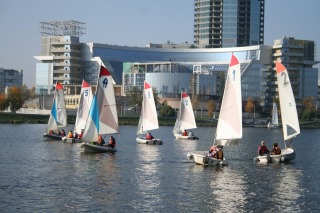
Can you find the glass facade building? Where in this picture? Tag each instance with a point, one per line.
(228, 23)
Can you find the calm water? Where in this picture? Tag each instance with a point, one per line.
(43, 176)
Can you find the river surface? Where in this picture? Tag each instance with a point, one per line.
(50, 176)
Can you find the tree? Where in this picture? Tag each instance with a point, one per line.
(135, 97)
(250, 105)
(15, 98)
(26, 93)
(211, 108)
(166, 110)
(3, 102)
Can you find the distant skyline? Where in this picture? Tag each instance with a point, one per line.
(132, 23)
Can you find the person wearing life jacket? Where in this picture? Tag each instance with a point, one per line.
(262, 149)
(62, 132)
(50, 132)
(276, 150)
(70, 135)
(185, 133)
(80, 135)
(219, 154)
(149, 136)
(100, 141)
(112, 142)
(191, 134)
(213, 151)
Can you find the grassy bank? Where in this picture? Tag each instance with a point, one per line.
(132, 120)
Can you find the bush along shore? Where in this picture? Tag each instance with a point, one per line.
(17, 118)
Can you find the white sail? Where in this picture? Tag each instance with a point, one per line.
(84, 107)
(289, 115)
(148, 117)
(185, 117)
(103, 118)
(229, 125)
(275, 121)
(58, 116)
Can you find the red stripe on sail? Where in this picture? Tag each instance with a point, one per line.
(234, 61)
(280, 67)
(184, 95)
(59, 86)
(146, 85)
(103, 71)
(85, 84)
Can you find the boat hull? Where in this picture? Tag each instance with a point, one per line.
(287, 154)
(52, 136)
(179, 136)
(71, 140)
(202, 158)
(92, 148)
(149, 142)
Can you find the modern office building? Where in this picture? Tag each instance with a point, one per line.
(200, 71)
(9, 78)
(228, 23)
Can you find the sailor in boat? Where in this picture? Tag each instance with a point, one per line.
(262, 149)
(185, 133)
(216, 152)
(149, 136)
(80, 135)
(276, 149)
(70, 134)
(51, 132)
(100, 141)
(191, 134)
(62, 133)
(112, 142)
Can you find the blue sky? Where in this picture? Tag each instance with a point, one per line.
(132, 23)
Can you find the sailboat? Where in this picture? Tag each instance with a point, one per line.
(229, 127)
(148, 118)
(82, 112)
(103, 118)
(289, 118)
(58, 116)
(185, 119)
(274, 124)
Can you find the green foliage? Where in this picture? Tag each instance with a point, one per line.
(308, 115)
(166, 110)
(3, 102)
(135, 97)
(14, 98)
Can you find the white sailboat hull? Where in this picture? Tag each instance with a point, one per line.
(202, 158)
(149, 142)
(287, 154)
(91, 148)
(71, 140)
(180, 136)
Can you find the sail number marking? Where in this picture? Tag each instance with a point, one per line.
(285, 81)
(105, 82)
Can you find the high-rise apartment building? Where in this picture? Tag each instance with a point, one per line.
(228, 23)
(60, 55)
(298, 57)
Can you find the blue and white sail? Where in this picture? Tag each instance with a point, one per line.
(58, 116)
